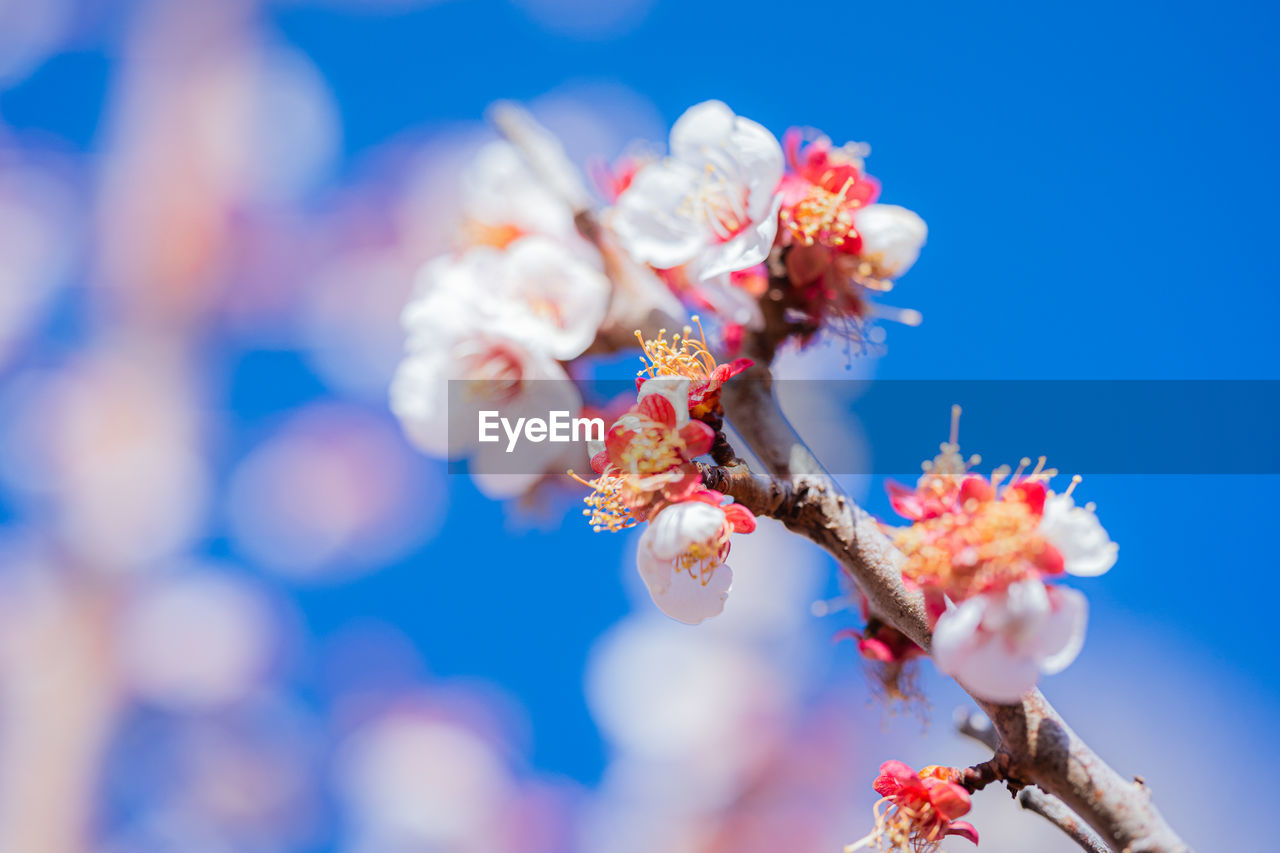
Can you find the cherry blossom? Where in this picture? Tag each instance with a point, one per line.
(892, 237)
(841, 247)
(997, 644)
(920, 809)
(713, 204)
(981, 550)
(494, 372)
(1078, 536)
(824, 191)
(503, 200)
(656, 440)
(535, 291)
(646, 459)
(682, 552)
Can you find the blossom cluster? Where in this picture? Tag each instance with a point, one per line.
(646, 472)
(523, 294)
(983, 551)
(709, 216)
(536, 279)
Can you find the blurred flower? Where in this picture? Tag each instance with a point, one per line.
(712, 204)
(349, 320)
(112, 442)
(413, 782)
(197, 640)
(243, 778)
(502, 199)
(333, 492)
(534, 292)
(208, 125)
(596, 119)
(457, 365)
(39, 238)
(697, 707)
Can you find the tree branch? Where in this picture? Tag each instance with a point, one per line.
(1038, 745)
(975, 725)
(1055, 811)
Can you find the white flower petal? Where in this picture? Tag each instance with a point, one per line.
(730, 302)
(420, 399)
(1086, 549)
(994, 673)
(679, 594)
(655, 222)
(744, 250)
(997, 644)
(956, 634)
(677, 527)
(550, 298)
(1063, 635)
(712, 204)
(892, 237)
(705, 125)
(682, 596)
(498, 188)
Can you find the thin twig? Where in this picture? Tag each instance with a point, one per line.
(1056, 812)
(976, 726)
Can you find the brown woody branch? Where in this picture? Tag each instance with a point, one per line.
(976, 726)
(1055, 811)
(1036, 745)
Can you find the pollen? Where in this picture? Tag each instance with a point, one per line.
(684, 355)
(987, 537)
(823, 217)
(607, 505)
(701, 559)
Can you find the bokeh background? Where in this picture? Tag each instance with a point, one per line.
(239, 613)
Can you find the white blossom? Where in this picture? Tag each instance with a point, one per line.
(680, 560)
(535, 292)
(713, 204)
(892, 237)
(499, 189)
(1080, 538)
(998, 643)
